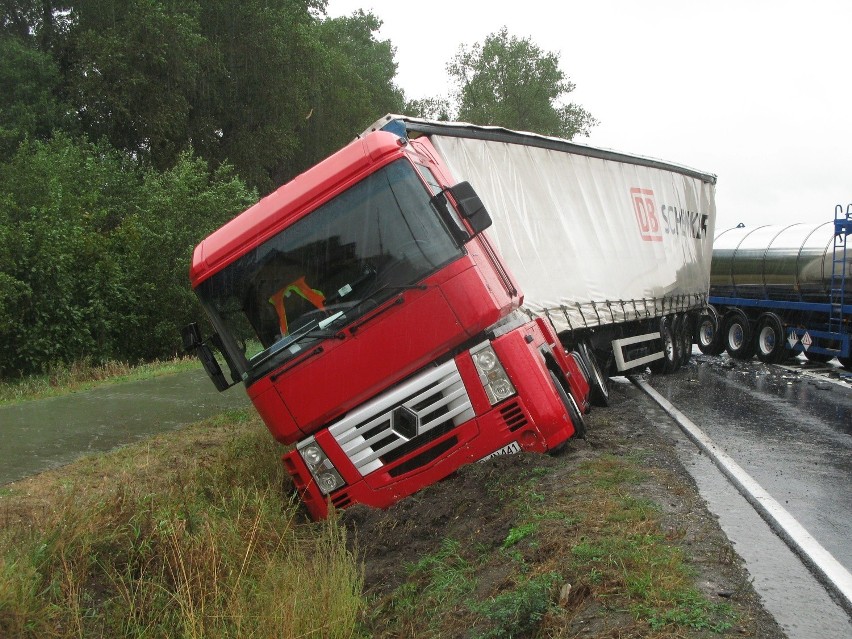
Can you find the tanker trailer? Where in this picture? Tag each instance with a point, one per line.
(776, 291)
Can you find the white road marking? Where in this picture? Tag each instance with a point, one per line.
(822, 563)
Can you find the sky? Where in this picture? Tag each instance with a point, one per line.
(757, 92)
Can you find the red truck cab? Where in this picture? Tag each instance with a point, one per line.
(375, 326)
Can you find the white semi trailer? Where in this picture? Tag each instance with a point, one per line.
(614, 250)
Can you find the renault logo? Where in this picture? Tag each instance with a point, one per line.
(405, 423)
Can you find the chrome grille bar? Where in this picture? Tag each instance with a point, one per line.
(367, 434)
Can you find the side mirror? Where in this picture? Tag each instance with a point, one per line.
(191, 335)
(192, 341)
(214, 371)
(470, 206)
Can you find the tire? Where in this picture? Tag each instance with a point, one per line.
(738, 338)
(769, 344)
(821, 358)
(670, 361)
(570, 406)
(708, 333)
(599, 382)
(846, 362)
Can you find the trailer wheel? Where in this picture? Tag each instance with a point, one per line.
(738, 338)
(670, 361)
(570, 406)
(598, 381)
(708, 333)
(769, 341)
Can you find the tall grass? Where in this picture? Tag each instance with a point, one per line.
(83, 374)
(212, 550)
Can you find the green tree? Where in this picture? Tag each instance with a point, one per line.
(94, 252)
(268, 86)
(174, 211)
(430, 108)
(253, 97)
(511, 82)
(119, 125)
(130, 72)
(29, 107)
(353, 84)
(59, 201)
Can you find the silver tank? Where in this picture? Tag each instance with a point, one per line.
(776, 262)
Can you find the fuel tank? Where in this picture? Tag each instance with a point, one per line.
(792, 262)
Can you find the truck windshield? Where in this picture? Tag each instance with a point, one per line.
(328, 269)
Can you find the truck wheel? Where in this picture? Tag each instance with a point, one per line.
(570, 406)
(846, 362)
(738, 341)
(708, 333)
(597, 380)
(670, 361)
(769, 341)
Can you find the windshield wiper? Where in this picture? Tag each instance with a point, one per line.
(318, 332)
(401, 287)
(317, 329)
(391, 287)
(314, 328)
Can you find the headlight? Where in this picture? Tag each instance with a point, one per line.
(324, 473)
(313, 456)
(329, 481)
(486, 359)
(493, 376)
(502, 389)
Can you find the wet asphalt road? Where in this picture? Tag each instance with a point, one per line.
(793, 435)
(43, 434)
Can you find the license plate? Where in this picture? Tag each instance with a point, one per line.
(508, 449)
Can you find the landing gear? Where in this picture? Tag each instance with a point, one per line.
(685, 339)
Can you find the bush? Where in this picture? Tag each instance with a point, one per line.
(176, 209)
(94, 252)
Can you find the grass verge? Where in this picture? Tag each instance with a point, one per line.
(67, 378)
(589, 559)
(189, 535)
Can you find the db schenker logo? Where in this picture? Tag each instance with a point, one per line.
(645, 208)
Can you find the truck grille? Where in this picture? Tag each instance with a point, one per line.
(402, 420)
